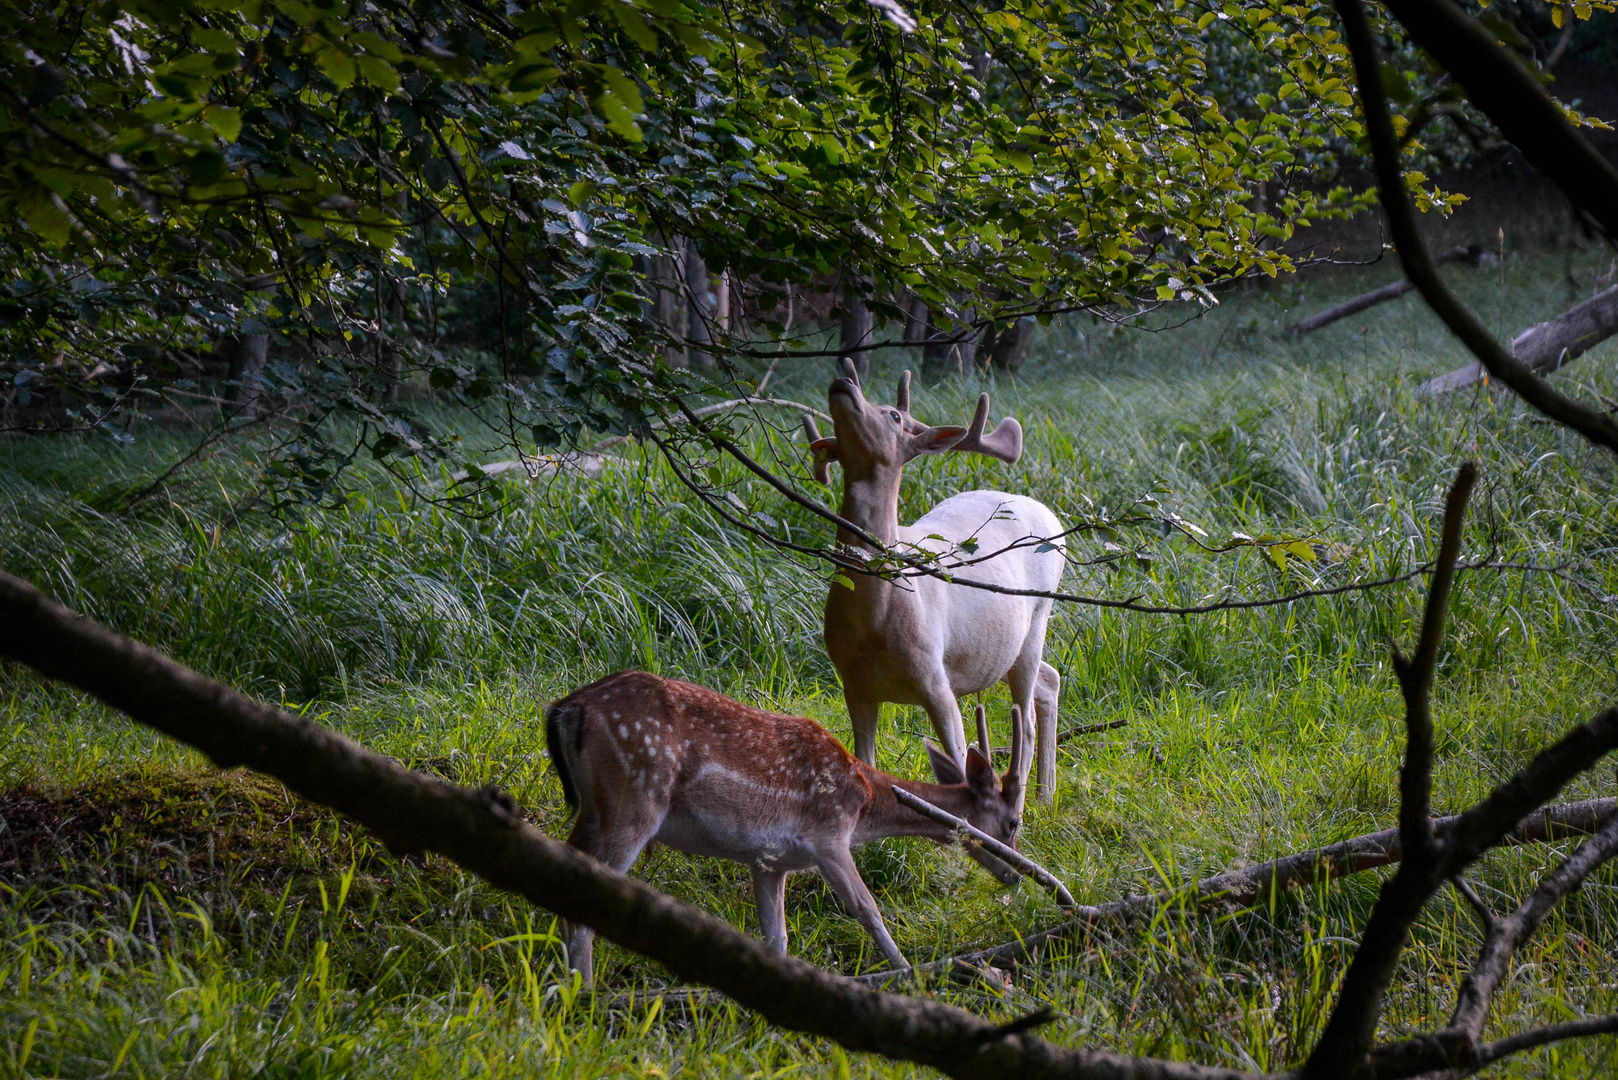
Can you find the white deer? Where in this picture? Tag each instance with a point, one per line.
(646, 758)
(919, 640)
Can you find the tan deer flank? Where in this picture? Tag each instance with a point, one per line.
(645, 758)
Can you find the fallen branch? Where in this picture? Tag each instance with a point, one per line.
(590, 462)
(1393, 291)
(1546, 346)
(1535, 124)
(1005, 853)
(1091, 729)
(1236, 889)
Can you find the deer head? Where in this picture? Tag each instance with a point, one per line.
(873, 438)
(996, 802)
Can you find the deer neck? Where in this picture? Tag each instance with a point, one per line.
(871, 501)
(886, 816)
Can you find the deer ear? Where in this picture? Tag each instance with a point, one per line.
(933, 440)
(824, 451)
(979, 772)
(944, 767)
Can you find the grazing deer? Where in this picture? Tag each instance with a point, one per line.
(921, 640)
(646, 758)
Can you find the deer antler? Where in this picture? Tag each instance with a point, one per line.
(983, 731)
(1015, 773)
(821, 457)
(850, 372)
(1004, 442)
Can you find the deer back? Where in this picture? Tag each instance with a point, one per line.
(639, 740)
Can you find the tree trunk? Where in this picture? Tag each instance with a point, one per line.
(857, 326)
(1546, 346)
(721, 314)
(917, 322)
(701, 305)
(937, 357)
(390, 358)
(1010, 348)
(966, 350)
(247, 358)
(666, 279)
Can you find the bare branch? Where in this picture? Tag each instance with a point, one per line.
(1528, 1040)
(1450, 1055)
(1474, 50)
(1371, 299)
(1237, 889)
(1485, 916)
(1351, 1030)
(1005, 853)
(1416, 674)
(1506, 935)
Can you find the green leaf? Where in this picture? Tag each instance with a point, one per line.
(226, 121)
(378, 72)
(336, 65)
(42, 209)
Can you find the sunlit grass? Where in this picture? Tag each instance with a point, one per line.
(159, 919)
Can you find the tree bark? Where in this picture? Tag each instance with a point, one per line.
(935, 354)
(1546, 346)
(665, 277)
(917, 322)
(1010, 346)
(247, 358)
(700, 291)
(857, 326)
(390, 358)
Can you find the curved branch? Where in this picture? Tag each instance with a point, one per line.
(1509, 94)
(1472, 51)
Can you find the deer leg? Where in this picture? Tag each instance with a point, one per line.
(1047, 692)
(846, 884)
(770, 897)
(945, 713)
(618, 845)
(864, 713)
(1022, 681)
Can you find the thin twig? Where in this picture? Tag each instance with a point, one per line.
(1005, 853)
(1485, 916)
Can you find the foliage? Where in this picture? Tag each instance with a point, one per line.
(396, 181)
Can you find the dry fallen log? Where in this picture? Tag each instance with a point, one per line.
(1371, 299)
(1546, 346)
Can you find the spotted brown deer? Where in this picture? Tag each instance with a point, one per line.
(645, 758)
(924, 641)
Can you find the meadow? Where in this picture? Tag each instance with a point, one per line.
(160, 918)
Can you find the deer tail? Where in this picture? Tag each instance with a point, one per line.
(564, 723)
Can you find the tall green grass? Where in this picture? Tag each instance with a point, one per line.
(297, 949)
